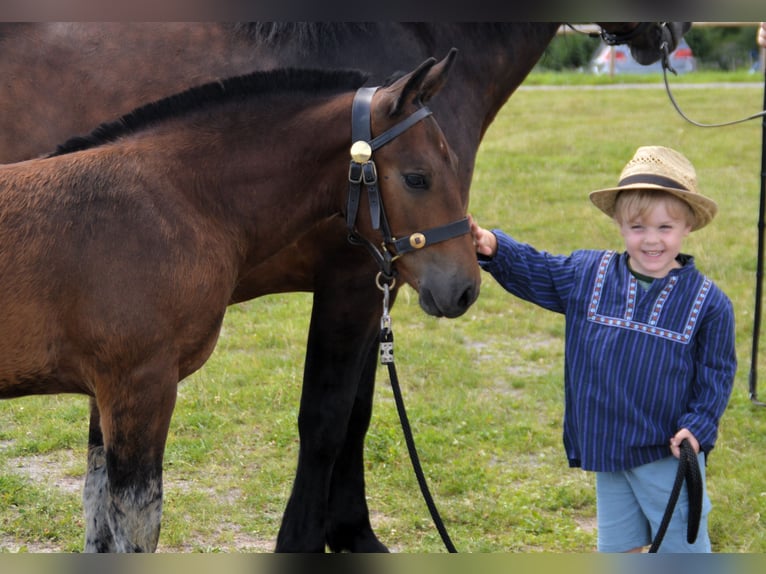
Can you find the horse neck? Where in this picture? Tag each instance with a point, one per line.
(493, 60)
(256, 168)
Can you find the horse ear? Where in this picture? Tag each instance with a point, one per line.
(437, 76)
(422, 83)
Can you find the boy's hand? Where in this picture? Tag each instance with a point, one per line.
(485, 241)
(675, 442)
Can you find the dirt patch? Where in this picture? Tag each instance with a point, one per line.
(586, 523)
(8, 544)
(527, 357)
(62, 469)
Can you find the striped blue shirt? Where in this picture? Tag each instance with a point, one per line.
(640, 364)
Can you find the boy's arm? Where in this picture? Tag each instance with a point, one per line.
(716, 367)
(535, 276)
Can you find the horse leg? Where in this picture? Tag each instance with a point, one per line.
(95, 499)
(134, 421)
(348, 525)
(338, 345)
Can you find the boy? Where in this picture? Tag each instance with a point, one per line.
(650, 356)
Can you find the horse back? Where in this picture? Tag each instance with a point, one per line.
(61, 79)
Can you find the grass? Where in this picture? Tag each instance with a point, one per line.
(541, 77)
(483, 392)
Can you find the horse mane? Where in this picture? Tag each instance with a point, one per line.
(311, 81)
(308, 37)
(311, 37)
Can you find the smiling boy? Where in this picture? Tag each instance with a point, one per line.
(650, 358)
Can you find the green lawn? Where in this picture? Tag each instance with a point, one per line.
(484, 392)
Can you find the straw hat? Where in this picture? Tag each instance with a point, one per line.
(657, 167)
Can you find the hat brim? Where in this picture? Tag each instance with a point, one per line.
(703, 207)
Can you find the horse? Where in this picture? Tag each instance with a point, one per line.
(122, 249)
(63, 78)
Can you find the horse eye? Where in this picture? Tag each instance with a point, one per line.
(416, 180)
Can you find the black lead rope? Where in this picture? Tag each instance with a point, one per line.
(753, 376)
(387, 358)
(688, 464)
(689, 471)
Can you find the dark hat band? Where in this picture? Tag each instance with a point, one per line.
(652, 180)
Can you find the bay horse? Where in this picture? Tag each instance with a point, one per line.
(61, 79)
(122, 249)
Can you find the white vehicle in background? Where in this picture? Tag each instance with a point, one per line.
(617, 60)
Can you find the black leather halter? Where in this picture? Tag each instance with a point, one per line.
(362, 172)
(614, 39)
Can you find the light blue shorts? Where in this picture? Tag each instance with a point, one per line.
(631, 504)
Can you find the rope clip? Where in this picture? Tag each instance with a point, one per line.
(386, 334)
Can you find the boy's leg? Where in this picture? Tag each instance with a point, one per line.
(622, 526)
(652, 484)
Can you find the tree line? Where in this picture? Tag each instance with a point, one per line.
(715, 48)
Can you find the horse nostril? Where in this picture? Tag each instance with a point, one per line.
(467, 298)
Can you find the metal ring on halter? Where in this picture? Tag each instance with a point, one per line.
(380, 285)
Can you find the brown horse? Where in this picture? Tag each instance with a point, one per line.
(122, 250)
(61, 79)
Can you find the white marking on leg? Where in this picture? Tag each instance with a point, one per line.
(95, 498)
(135, 516)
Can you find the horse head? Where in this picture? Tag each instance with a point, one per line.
(419, 214)
(648, 41)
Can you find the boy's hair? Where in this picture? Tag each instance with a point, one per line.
(635, 203)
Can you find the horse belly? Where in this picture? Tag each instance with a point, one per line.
(31, 360)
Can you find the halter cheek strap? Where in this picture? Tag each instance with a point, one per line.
(361, 155)
(362, 171)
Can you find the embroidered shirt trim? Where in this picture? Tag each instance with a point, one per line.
(650, 328)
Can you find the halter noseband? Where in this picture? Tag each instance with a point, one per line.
(362, 171)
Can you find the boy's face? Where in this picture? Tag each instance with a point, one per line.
(653, 240)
